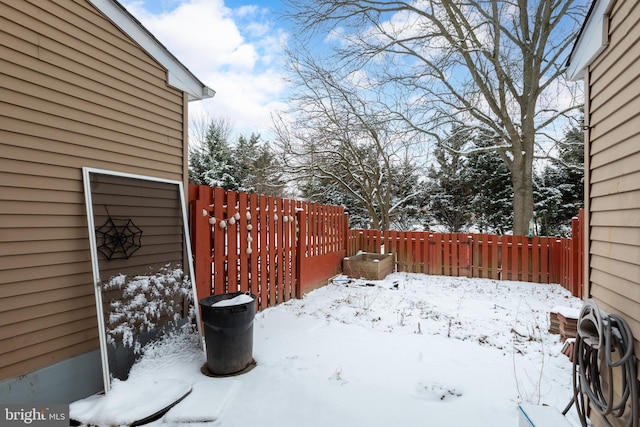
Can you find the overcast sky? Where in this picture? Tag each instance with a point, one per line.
(233, 46)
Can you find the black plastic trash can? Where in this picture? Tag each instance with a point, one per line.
(228, 333)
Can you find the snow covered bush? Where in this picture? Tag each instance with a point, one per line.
(145, 303)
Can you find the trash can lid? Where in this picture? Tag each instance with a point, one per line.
(238, 300)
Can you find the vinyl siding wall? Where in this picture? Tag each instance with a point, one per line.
(153, 207)
(74, 91)
(614, 170)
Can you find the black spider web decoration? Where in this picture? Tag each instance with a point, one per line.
(118, 238)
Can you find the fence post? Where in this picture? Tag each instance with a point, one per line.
(575, 256)
(200, 199)
(346, 238)
(469, 252)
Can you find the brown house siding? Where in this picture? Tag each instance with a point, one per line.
(614, 170)
(74, 91)
(153, 208)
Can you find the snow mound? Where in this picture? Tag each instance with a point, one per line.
(128, 402)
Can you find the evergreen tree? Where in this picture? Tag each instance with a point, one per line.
(248, 166)
(489, 179)
(245, 155)
(560, 187)
(269, 173)
(548, 199)
(449, 193)
(210, 159)
(330, 192)
(409, 213)
(257, 167)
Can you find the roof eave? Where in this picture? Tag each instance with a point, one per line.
(178, 75)
(592, 39)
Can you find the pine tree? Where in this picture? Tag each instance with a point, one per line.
(409, 213)
(489, 179)
(210, 159)
(449, 193)
(328, 191)
(257, 167)
(248, 166)
(245, 155)
(559, 188)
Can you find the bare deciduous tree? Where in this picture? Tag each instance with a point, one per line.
(333, 132)
(492, 65)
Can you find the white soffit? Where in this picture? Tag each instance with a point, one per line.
(592, 40)
(178, 75)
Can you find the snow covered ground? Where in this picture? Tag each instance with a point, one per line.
(411, 350)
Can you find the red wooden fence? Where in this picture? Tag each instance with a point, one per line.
(536, 259)
(275, 248)
(279, 249)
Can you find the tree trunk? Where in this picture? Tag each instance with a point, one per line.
(521, 178)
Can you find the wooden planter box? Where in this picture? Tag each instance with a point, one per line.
(368, 266)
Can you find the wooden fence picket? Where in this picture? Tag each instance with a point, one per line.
(219, 250)
(544, 260)
(465, 255)
(232, 243)
(241, 221)
(261, 249)
(252, 246)
(200, 201)
(417, 251)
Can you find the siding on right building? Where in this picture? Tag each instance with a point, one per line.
(606, 57)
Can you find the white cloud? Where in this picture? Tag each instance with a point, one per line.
(236, 52)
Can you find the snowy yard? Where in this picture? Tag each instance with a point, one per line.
(412, 350)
